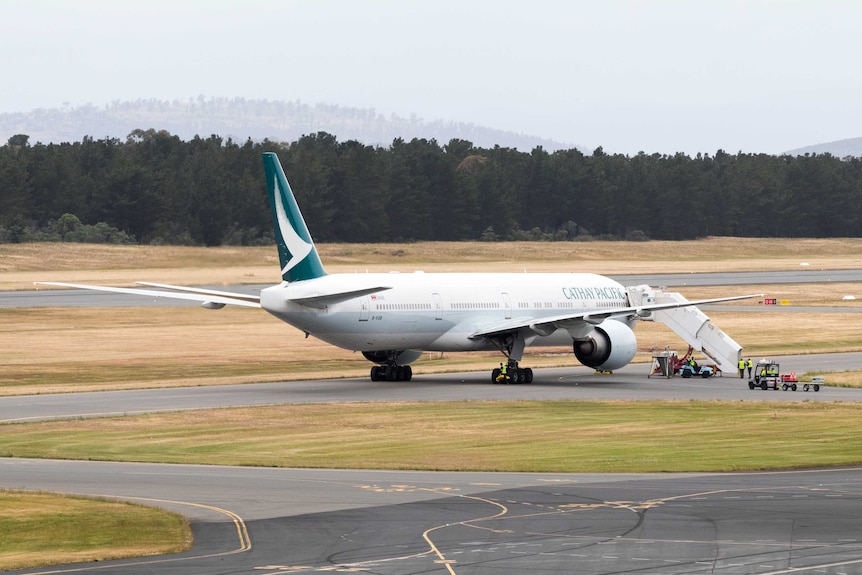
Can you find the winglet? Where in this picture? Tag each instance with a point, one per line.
(296, 251)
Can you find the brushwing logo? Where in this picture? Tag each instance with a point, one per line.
(298, 247)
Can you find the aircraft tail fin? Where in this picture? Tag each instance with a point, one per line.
(296, 252)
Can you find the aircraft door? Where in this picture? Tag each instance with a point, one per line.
(507, 305)
(438, 306)
(364, 308)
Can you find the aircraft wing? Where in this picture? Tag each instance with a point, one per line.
(217, 299)
(547, 325)
(210, 298)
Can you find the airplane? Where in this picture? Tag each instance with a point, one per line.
(393, 318)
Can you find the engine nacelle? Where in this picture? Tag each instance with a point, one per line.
(400, 357)
(611, 345)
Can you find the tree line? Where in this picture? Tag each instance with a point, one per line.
(156, 188)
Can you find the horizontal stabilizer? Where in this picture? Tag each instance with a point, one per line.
(227, 294)
(321, 300)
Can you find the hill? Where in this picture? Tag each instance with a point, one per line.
(241, 119)
(838, 148)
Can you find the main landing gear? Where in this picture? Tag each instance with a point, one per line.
(391, 373)
(514, 374)
(512, 346)
(388, 360)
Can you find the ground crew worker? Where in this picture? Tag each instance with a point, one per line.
(504, 372)
(741, 367)
(772, 372)
(750, 366)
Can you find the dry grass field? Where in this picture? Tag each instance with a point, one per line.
(76, 349)
(22, 264)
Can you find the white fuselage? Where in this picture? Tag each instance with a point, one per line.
(438, 311)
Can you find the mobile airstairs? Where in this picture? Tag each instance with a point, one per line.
(691, 324)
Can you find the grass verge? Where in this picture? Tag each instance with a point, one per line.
(44, 529)
(558, 436)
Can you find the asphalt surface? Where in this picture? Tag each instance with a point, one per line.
(802, 275)
(629, 383)
(268, 521)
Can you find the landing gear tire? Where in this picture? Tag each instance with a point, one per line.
(515, 375)
(391, 373)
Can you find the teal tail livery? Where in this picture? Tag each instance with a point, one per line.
(296, 251)
(393, 318)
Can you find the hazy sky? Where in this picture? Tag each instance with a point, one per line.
(652, 75)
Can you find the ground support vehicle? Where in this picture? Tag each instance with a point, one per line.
(815, 384)
(767, 375)
(689, 370)
(668, 364)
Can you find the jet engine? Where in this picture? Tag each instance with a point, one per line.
(398, 357)
(611, 345)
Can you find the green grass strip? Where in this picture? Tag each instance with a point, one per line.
(44, 529)
(543, 436)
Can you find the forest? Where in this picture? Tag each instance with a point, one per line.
(155, 188)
